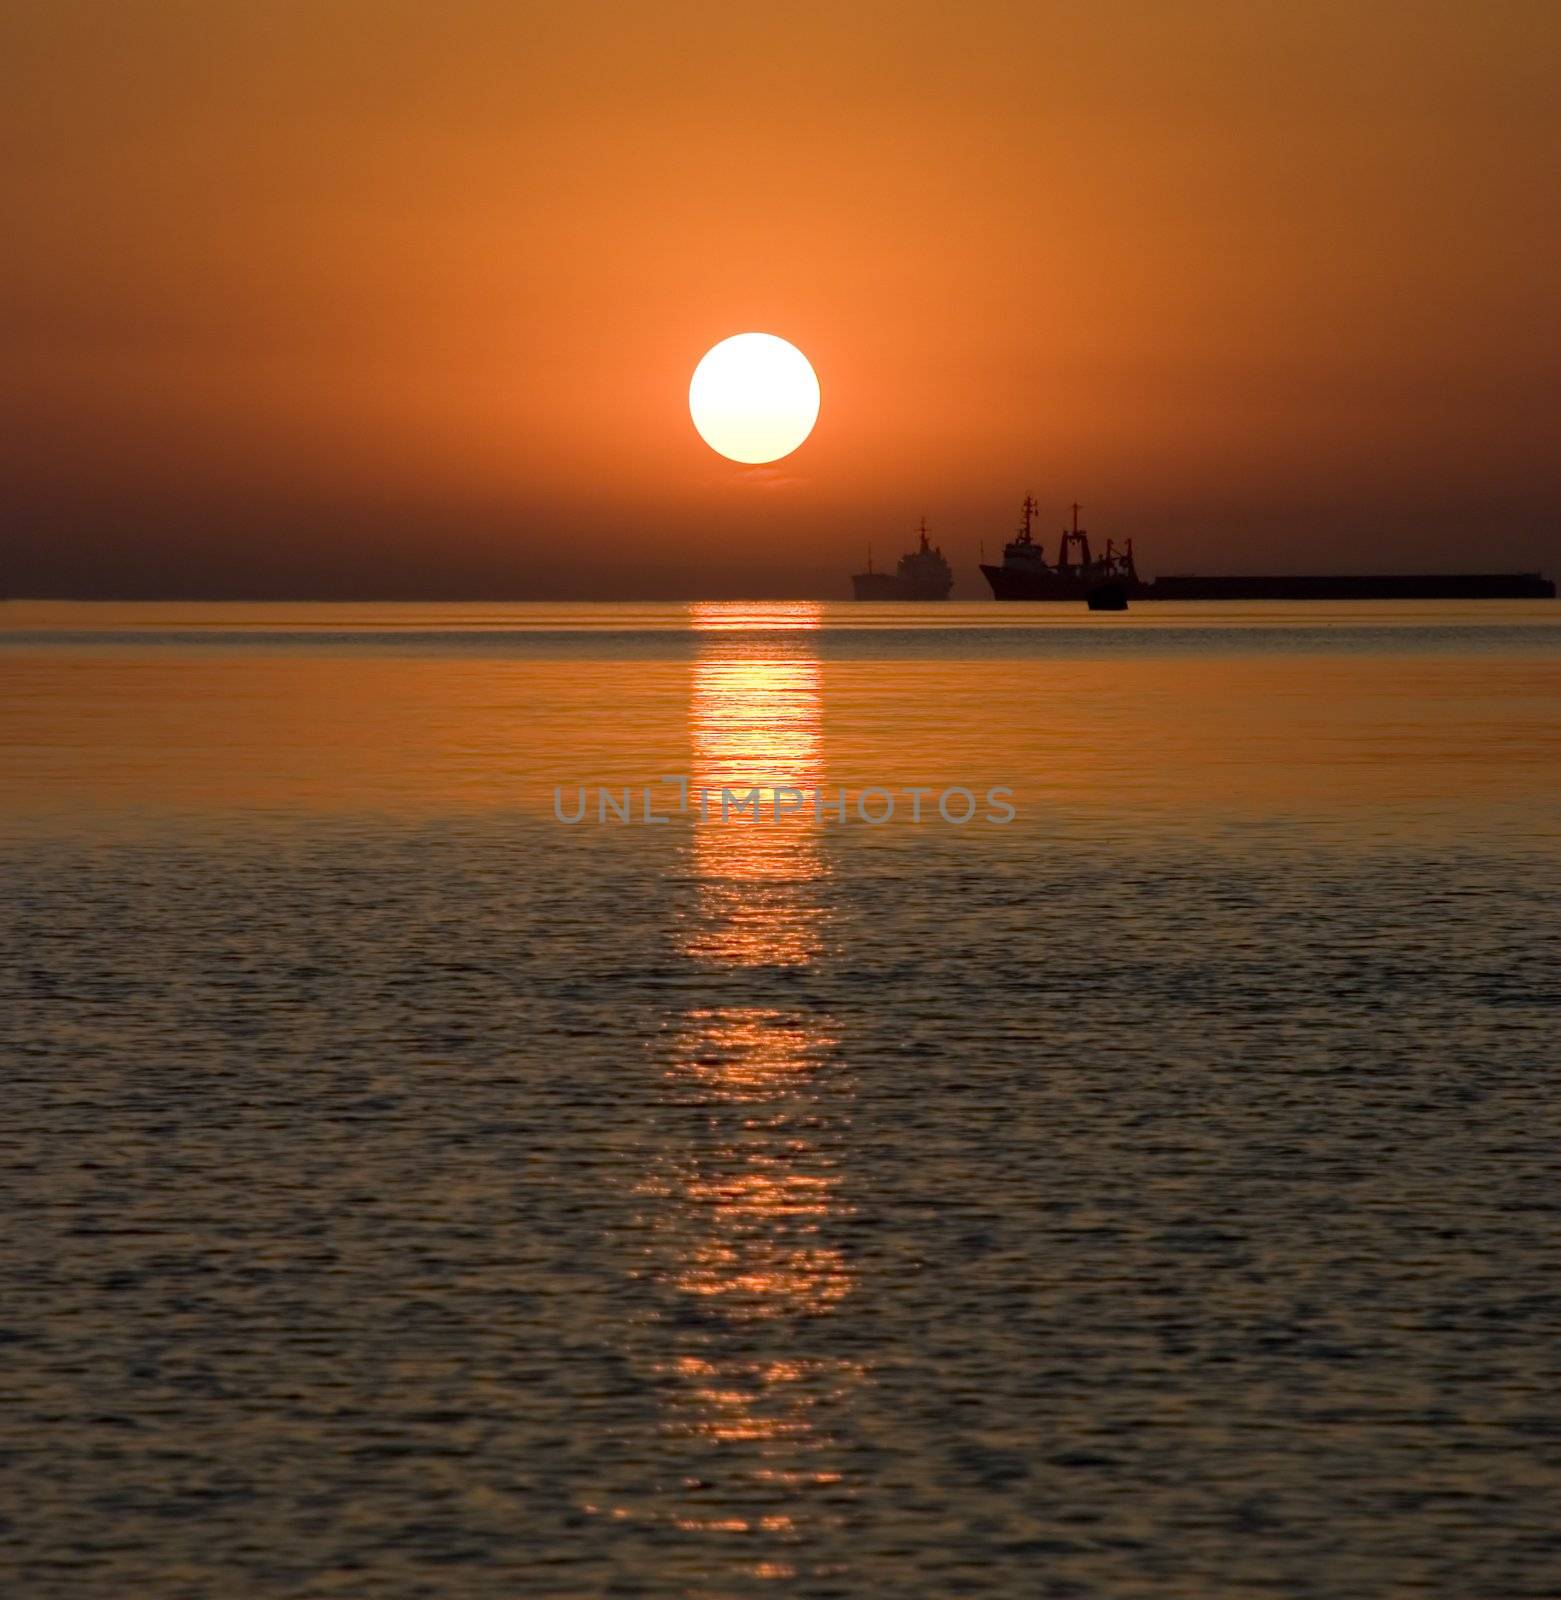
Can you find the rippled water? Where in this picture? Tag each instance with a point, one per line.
(407, 1194)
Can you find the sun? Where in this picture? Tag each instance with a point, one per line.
(754, 397)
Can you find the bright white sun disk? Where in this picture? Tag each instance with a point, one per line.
(754, 397)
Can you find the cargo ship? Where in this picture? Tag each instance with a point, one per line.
(1025, 574)
(922, 574)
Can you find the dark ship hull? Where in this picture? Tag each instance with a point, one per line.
(887, 586)
(1010, 585)
(1007, 584)
(875, 586)
(929, 587)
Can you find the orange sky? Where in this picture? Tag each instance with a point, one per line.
(375, 297)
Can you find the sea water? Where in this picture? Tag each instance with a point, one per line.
(408, 1193)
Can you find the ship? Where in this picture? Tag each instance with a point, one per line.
(1109, 581)
(1076, 574)
(872, 585)
(922, 574)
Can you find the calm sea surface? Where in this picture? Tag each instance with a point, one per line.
(406, 1193)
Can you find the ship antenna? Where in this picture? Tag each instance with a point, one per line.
(922, 530)
(1029, 511)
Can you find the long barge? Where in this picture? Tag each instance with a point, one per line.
(1348, 586)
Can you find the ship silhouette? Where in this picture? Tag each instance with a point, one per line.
(922, 574)
(1025, 574)
(1110, 580)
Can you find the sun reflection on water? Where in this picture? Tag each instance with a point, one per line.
(746, 1209)
(755, 710)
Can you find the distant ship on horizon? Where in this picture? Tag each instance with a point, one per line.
(922, 574)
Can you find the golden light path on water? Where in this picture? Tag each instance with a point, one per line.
(745, 1205)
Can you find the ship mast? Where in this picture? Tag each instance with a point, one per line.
(1076, 537)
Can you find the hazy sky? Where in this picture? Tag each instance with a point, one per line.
(387, 297)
